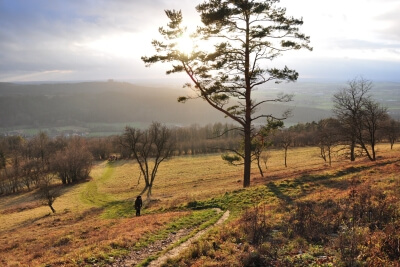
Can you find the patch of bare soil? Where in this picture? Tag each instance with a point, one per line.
(135, 257)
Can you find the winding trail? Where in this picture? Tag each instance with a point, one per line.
(177, 250)
(91, 195)
(135, 257)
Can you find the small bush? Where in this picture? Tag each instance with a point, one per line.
(314, 221)
(255, 225)
(253, 259)
(201, 248)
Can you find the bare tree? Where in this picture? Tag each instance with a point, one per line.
(392, 131)
(265, 157)
(149, 148)
(327, 138)
(3, 160)
(360, 116)
(39, 147)
(373, 118)
(74, 163)
(285, 140)
(348, 106)
(3, 163)
(263, 139)
(32, 171)
(48, 191)
(100, 148)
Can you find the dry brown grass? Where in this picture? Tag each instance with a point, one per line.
(69, 239)
(31, 236)
(305, 179)
(190, 178)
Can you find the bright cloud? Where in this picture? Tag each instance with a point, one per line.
(105, 39)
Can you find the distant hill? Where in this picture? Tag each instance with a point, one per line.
(80, 104)
(96, 102)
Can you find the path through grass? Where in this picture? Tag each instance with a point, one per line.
(91, 194)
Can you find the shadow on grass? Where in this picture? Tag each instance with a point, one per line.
(27, 197)
(288, 190)
(329, 180)
(278, 191)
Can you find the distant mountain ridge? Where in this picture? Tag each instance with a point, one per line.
(61, 104)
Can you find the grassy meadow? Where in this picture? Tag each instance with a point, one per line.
(95, 222)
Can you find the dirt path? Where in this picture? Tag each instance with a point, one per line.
(175, 251)
(136, 257)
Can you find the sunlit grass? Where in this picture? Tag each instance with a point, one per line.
(95, 220)
(190, 178)
(70, 237)
(91, 194)
(181, 179)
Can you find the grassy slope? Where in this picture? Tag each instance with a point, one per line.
(275, 203)
(94, 219)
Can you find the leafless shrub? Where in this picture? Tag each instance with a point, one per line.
(255, 225)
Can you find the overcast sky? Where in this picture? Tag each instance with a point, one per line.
(58, 40)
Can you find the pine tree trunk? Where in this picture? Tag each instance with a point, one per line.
(247, 122)
(247, 157)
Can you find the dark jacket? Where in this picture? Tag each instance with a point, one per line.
(138, 203)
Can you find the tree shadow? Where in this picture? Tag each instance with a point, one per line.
(285, 190)
(278, 192)
(26, 198)
(328, 180)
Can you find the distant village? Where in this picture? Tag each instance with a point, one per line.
(51, 133)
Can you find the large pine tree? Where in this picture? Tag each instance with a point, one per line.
(246, 36)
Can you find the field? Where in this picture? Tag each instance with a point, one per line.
(95, 223)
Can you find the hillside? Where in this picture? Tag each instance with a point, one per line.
(111, 104)
(294, 209)
(93, 102)
(106, 107)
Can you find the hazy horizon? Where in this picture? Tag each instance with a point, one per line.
(109, 105)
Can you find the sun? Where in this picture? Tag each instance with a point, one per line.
(185, 44)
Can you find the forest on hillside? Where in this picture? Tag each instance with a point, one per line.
(76, 104)
(65, 104)
(106, 108)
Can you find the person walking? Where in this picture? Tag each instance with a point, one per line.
(138, 205)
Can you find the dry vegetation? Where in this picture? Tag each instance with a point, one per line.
(95, 220)
(346, 215)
